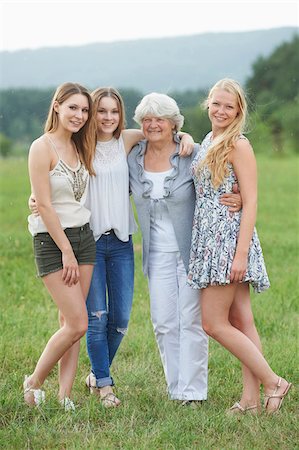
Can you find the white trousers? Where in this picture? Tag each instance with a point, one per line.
(176, 318)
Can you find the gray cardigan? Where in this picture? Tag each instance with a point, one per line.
(179, 197)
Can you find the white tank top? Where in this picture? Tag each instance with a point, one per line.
(68, 196)
(162, 236)
(108, 194)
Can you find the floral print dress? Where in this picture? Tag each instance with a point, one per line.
(215, 233)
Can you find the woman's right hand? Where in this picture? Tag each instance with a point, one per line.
(33, 205)
(70, 272)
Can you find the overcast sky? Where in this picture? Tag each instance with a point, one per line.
(50, 24)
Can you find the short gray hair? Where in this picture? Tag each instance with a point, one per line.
(159, 105)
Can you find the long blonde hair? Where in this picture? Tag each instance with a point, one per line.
(218, 153)
(85, 138)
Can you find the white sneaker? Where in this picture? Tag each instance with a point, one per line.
(68, 404)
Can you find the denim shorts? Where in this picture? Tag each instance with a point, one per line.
(48, 256)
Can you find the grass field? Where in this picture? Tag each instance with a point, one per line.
(147, 419)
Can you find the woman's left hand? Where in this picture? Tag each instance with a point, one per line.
(186, 145)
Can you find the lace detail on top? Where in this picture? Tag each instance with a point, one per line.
(77, 178)
(107, 152)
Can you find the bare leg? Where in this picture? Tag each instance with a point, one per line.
(71, 302)
(216, 304)
(69, 361)
(241, 317)
(67, 367)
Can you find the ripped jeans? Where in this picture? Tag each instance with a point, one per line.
(109, 303)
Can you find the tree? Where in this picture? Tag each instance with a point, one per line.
(5, 146)
(275, 86)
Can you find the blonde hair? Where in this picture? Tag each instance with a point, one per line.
(111, 92)
(218, 154)
(85, 138)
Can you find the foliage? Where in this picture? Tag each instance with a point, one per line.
(147, 420)
(275, 87)
(277, 76)
(24, 111)
(5, 146)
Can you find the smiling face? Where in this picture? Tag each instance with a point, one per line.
(108, 117)
(73, 113)
(157, 129)
(223, 110)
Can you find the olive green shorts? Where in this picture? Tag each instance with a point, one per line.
(48, 256)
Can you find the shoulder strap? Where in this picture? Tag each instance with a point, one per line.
(53, 145)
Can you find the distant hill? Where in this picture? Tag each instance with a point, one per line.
(168, 64)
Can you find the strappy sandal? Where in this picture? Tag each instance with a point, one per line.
(110, 400)
(238, 409)
(267, 397)
(33, 397)
(67, 404)
(91, 382)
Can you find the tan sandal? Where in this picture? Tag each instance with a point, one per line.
(91, 383)
(238, 409)
(267, 397)
(33, 397)
(110, 400)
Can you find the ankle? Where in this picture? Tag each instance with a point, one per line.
(274, 383)
(250, 401)
(106, 390)
(32, 382)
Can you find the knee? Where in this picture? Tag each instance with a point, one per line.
(97, 321)
(210, 328)
(79, 330)
(242, 322)
(206, 327)
(163, 327)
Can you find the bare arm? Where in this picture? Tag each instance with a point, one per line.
(186, 144)
(244, 163)
(39, 164)
(131, 137)
(32, 204)
(232, 199)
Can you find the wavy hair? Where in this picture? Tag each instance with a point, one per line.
(102, 92)
(218, 155)
(159, 105)
(85, 138)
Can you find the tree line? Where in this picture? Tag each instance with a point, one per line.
(272, 90)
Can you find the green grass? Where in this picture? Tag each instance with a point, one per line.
(147, 419)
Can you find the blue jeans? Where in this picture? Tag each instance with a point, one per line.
(109, 303)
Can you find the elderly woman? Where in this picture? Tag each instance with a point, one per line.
(164, 196)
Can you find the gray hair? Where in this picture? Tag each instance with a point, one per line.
(159, 105)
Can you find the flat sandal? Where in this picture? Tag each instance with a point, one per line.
(238, 409)
(33, 397)
(267, 397)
